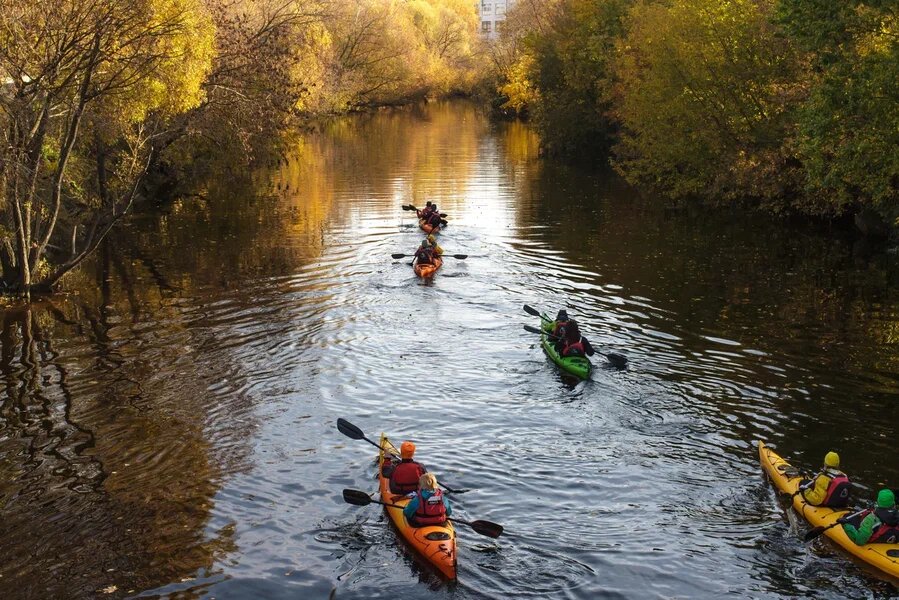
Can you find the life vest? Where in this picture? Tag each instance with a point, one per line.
(838, 489)
(425, 256)
(575, 349)
(431, 510)
(888, 530)
(404, 478)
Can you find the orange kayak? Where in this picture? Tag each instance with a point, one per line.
(882, 556)
(436, 543)
(428, 228)
(428, 270)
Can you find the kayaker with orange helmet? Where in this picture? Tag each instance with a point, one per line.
(572, 342)
(432, 240)
(428, 506)
(876, 526)
(405, 475)
(830, 487)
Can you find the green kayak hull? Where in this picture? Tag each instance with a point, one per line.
(579, 366)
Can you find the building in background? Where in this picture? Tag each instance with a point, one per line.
(492, 13)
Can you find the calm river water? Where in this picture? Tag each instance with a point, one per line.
(169, 431)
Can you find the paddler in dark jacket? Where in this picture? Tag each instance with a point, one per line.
(434, 217)
(829, 487)
(425, 212)
(572, 342)
(405, 475)
(424, 255)
(877, 526)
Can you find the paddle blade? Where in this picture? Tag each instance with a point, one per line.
(487, 528)
(616, 360)
(459, 256)
(409, 207)
(400, 255)
(814, 533)
(531, 310)
(356, 497)
(349, 430)
(532, 329)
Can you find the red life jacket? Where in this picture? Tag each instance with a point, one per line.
(837, 495)
(575, 349)
(430, 511)
(404, 478)
(557, 328)
(888, 531)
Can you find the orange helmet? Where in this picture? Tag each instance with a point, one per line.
(407, 449)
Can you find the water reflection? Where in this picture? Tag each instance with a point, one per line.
(167, 427)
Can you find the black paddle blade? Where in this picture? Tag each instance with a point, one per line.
(487, 528)
(356, 497)
(459, 256)
(531, 310)
(349, 430)
(399, 255)
(616, 360)
(409, 207)
(532, 329)
(814, 533)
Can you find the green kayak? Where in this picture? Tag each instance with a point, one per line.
(579, 366)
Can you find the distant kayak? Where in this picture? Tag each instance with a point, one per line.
(786, 478)
(578, 366)
(428, 270)
(428, 228)
(436, 543)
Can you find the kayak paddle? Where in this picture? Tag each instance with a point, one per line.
(533, 311)
(353, 432)
(459, 256)
(616, 360)
(817, 531)
(360, 498)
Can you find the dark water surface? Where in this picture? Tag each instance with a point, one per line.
(169, 430)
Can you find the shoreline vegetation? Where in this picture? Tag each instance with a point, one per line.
(787, 106)
(790, 106)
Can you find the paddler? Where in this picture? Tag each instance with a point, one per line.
(830, 487)
(876, 526)
(405, 475)
(572, 342)
(428, 506)
(560, 322)
(425, 254)
(432, 240)
(425, 212)
(434, 217)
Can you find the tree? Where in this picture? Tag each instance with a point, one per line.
(121, 66)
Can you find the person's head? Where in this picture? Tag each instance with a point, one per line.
(562, 316)
(434, 207)
(428, 203)
(427, 482)
(886, 499)
(424, 243)
(407, 449)
(832, 459)
(432, 239)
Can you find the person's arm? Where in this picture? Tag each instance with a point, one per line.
(410, 509)
(588, 349)
(864, 531)
(818, 490)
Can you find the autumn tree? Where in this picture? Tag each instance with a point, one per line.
(87, 86)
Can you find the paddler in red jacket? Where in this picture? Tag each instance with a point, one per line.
(425, 212)
(405, 475)
(428, 506)
(572, 342)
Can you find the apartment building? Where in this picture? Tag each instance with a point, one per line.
(492, 13)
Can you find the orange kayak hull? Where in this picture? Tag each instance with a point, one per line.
(435, 543)
(428, 270)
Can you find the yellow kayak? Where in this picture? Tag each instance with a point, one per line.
(436, 543)
(883, 556)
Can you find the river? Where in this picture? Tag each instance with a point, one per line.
(168, 429)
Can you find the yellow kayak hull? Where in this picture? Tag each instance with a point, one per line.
(436, 543)
(786, 479)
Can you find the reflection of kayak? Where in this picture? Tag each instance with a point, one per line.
(578, 366)
(785, 478)
(436, 543)
(426, 270)
(428, 228)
